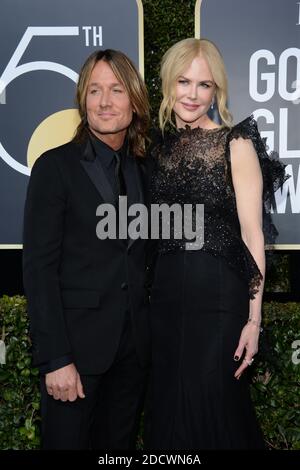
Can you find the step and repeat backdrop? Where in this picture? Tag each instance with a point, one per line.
(43, 45)
(260, 43)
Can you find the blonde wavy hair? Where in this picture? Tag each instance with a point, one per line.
(176, 60)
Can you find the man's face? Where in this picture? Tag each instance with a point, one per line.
(109, 111)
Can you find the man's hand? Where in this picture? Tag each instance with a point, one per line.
(64, 384)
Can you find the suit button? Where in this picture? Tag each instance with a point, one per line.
(124, 286)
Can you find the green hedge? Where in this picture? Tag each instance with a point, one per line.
(276, 384)
(165, 23)
(276, 378)
(19, 382)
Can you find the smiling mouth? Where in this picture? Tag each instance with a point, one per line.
(106, 115)
(191, 107)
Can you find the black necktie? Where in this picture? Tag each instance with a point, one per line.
(120, 181)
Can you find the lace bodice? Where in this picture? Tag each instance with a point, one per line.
(192, 166)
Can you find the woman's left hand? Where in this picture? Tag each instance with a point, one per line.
(249, 344)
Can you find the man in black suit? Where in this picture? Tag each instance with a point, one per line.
(87, 301)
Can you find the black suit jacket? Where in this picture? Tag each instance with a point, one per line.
(78, 287)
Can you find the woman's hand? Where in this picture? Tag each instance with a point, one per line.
(248, 344)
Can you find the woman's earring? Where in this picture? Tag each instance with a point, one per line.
(212, 105)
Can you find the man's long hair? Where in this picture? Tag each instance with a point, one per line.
(127, 74)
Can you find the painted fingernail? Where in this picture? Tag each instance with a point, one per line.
(236, 358)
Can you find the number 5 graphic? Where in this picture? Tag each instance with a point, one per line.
(13, 70)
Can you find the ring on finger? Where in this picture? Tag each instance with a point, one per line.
(249, 362)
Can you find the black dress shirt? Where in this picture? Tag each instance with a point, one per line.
(106, 157)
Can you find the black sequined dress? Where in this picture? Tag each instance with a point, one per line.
(200, 298)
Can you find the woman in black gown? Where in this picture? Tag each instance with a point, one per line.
(206, 304)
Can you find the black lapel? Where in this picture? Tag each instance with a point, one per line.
(139, 192)
(94, 169)
(133, 182)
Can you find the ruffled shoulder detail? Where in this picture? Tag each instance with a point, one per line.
(273, 171)
(246, 129)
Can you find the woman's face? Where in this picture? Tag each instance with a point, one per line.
(195, 89)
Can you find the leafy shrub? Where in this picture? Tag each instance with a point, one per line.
(19, 383)
(276, 383)
(275, 389)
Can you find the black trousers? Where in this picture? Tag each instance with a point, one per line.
(108, 417)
